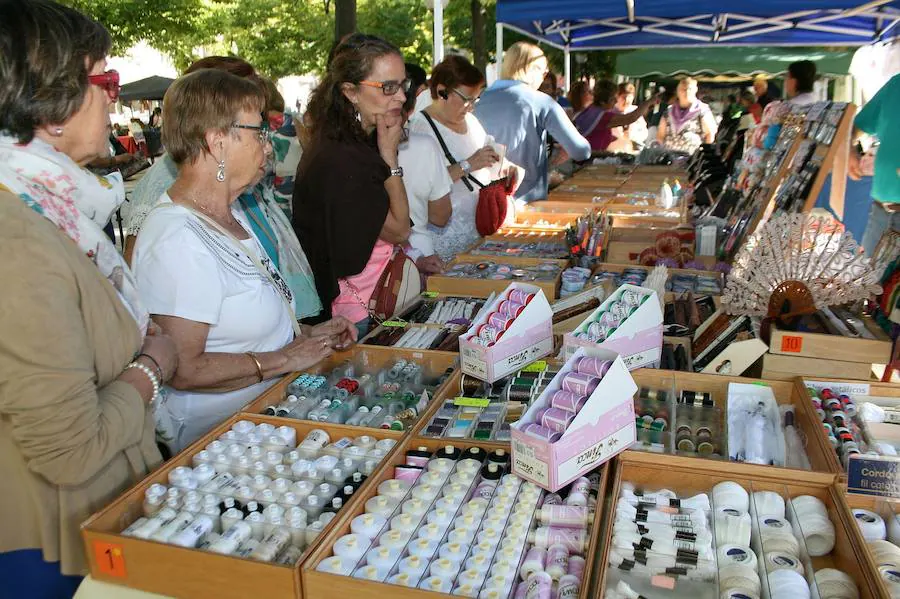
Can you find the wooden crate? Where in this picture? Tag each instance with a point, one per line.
(371, 357)
(191, 573)
(669, 296)
(834, 347)
(556, 207)
(825, 468)
(686, 476)
(321, 585)
(885, 509)
(780, 367)
(485, 287)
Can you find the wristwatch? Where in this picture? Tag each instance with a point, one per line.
(397, 172)
(465, 166)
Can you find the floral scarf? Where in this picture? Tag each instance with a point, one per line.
(78, 202)
(679, 117)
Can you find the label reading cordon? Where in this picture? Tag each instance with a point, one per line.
(472, 402)
(538, 366)
(873, 476)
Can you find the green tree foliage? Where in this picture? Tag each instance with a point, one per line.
(291, 37)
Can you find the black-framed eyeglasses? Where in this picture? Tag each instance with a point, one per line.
(388, 88)
(467, 101)
(263, 131)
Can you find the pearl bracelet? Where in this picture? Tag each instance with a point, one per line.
(154, 380)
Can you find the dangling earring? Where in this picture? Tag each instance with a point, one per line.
(220, 174)
(358, 117)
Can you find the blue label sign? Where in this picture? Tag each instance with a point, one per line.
(871, 476)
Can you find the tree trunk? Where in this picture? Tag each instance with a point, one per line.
(479, 40)
(344, 18)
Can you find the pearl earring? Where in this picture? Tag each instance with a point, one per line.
(58, 131)
(220, 174)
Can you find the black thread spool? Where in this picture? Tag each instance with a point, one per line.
(519, 393)
(469, 386)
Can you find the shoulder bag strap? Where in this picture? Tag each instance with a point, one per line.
(447, 153)
(256, 262)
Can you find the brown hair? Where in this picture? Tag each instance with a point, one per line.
(274, 99)
(604, 92)
(46, 53)
(329, 112)
(576, 95)
(625, 89)
(232, 64)
(454, 71)
(208, 99)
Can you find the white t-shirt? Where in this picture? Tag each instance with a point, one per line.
(184, 268)
(460, 233)
(426, 179)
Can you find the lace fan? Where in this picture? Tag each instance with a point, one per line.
(797, 264)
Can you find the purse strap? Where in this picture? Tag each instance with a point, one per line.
(449, 156)
(256, 262)
(355, 292)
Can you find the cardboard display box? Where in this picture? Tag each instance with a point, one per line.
(529, 337)
(370, 358)
(638, 339)
(602, 428)
(192, 573)
(687, 477)
(834, 347)
(820, 454)
(318, 584)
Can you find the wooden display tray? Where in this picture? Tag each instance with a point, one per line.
(834, 347)
(875, 389)
(371, 356)
(191, 573)
(885, 509)
(484, 287)
(687, 476)
(556, 207)
(320, 584)
(684, 342)
(780, 367)
(669, 296)
(526, 236)
(825, 468)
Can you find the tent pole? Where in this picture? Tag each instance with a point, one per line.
(438, 31)
(498, 51)
(568, 57)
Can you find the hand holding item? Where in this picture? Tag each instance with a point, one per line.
(430, 265)
(341, 332)
(305, 352)
(483, 158)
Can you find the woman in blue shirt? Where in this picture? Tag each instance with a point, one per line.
(520, 117)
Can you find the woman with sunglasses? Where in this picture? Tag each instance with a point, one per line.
(350, 206)
(204, 276)
(456, 86)
(80, 361)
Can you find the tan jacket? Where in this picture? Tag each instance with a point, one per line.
(71, 437)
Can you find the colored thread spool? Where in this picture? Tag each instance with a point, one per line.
(597, 367)
(580, 384)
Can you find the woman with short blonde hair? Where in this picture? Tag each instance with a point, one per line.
(523, 62)
(689, 123)
(202, 272)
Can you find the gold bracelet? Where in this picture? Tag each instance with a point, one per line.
(259, 370)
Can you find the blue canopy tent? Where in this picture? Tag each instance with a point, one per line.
(578, 25)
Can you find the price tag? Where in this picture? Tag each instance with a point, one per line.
(430, 294)
(110, 559)
(395, 324)
(537, 366)
(791, 344)
(472, 402)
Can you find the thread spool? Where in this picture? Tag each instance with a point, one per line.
(733, 527)
(871, 525)
(835, 584)
(580, 384)
(768, 503)
(592, 366)
(731, 554)
(787, 584)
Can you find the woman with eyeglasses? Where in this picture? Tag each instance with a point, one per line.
(350, 206)
(205, 276)
(80, 360)
(456, 87)
(520, 117)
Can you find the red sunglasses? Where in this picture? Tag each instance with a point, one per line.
(108, 82)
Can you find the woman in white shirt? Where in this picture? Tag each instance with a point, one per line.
(456, 86)
(205, 278)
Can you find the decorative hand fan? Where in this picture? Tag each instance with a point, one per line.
(797, 264)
